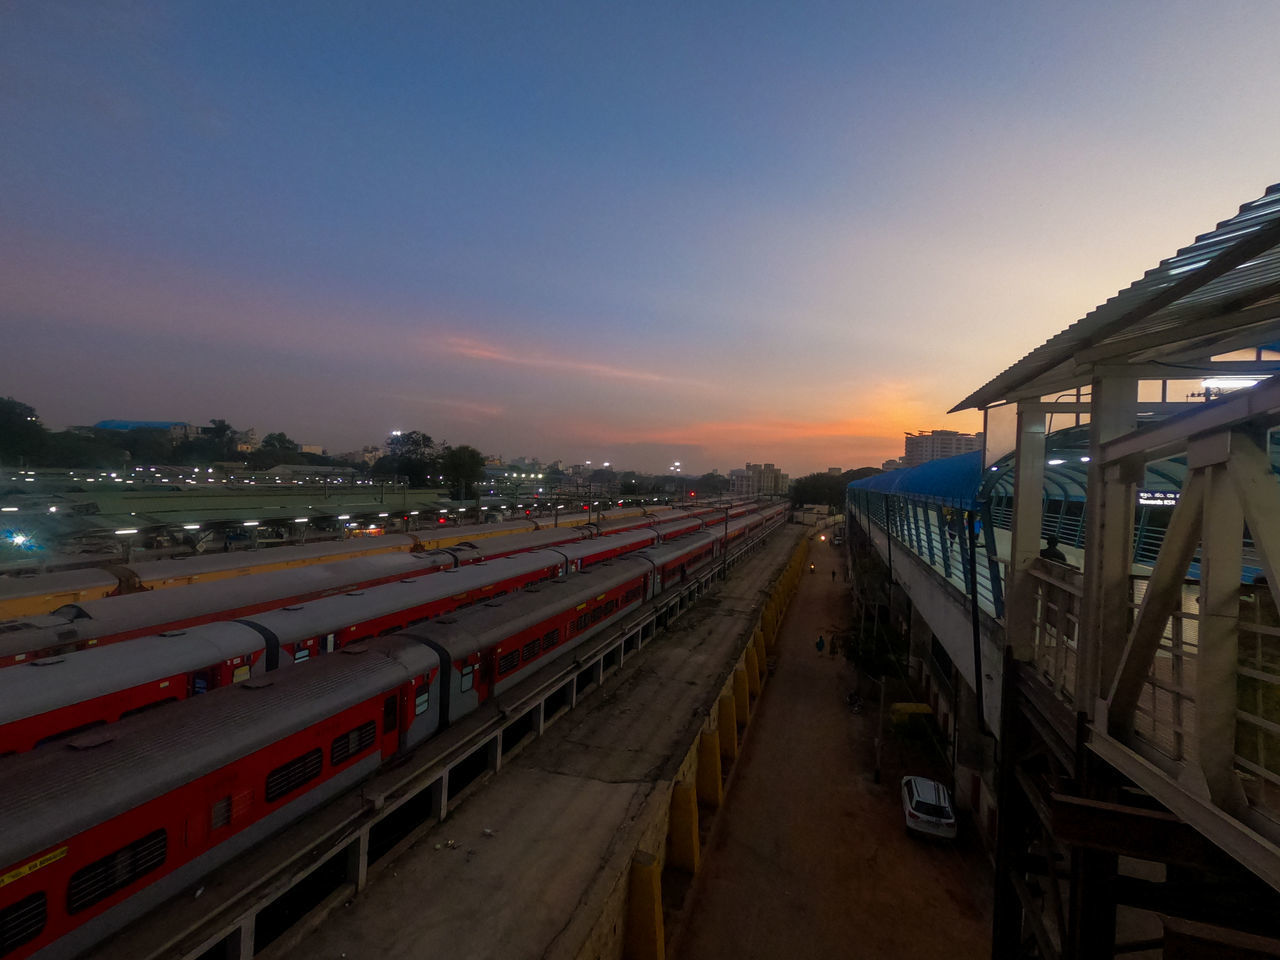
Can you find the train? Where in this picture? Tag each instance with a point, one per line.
(77, 626)
(166, 796)
(223, 639)
(28, 595)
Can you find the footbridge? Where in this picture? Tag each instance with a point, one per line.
(1113, 701)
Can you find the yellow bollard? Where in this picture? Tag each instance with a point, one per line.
(727, 720)
(741, 696)
(753, 671)
(762, 661)
(682, 828)
(710, 787)
(644, 934)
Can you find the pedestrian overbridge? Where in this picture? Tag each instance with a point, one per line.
(1133, 680)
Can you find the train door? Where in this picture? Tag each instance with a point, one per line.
(391, 717)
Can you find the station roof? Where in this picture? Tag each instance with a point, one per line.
(952, 481)
(1219, 294)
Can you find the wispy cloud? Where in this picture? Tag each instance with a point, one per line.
(478, 350)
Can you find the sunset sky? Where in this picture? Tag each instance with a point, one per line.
(640, 232)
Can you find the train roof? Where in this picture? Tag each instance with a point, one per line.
(330, 614)
(477, 628)
(63, 581)
(602, 544)
(205, 563)
(672, 549)
(502, 546)
(57, 791)
(166, 606)
(38, 686)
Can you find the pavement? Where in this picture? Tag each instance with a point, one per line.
(809, 857)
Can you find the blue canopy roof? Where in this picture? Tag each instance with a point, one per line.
(953, 481)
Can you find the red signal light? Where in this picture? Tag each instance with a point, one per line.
(585, 507)
(441, 520)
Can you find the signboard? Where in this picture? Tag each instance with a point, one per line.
(1158, 498)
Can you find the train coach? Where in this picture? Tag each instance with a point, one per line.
(26, 596)
(113, 619)
(57, 696)
(163, 797)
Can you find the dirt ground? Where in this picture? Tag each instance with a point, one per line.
(810, 857)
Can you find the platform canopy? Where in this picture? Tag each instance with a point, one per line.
(1220, 294)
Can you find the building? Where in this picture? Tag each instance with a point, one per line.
(891, 465)
(177, 429)
(936, 444)
(758, 480)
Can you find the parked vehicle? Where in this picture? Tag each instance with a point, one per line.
(926, 805)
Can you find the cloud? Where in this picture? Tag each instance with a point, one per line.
(478, 350)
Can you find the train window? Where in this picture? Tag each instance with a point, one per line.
(467, 678)
(509, 661)
(531, 649)
(301, 654)
(102, 878)
(389, 714)
(422, 698)
(347, 745)
(220, 813)
(550, 639)
(22, 922)
(288, 777)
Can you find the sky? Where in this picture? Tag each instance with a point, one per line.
(709, 232)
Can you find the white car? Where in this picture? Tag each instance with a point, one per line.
(927, 808)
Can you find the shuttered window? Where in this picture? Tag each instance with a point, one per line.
(288, 777)
(352, 742)
(508, 661)
(422, 700)
(549, 640)
(22, 922)
(220, 814)
(102, 878)
(531, 649)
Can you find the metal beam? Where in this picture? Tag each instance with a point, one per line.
(1259, 405)
(1250, 470)
(1221, 554)
(1130, 831)
(1163, 597)
(1188, 940)
(1204, 325)
(1247, 847)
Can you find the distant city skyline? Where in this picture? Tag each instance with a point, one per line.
(717, 233)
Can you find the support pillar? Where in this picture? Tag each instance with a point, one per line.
(727, 724)
(753, 671)
(741, 697)
(1024, 548)
(709, 783)
(644, 938)
(1109, 506)
(682, 828)
(918, 644)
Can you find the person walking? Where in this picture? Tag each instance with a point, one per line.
(833, 576)
(820, 644)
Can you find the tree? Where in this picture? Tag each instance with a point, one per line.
(711, 485)
(279, 442)
(413, 445)
(461, 467)
(22, 438)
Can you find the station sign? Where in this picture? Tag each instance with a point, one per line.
(1158, 498)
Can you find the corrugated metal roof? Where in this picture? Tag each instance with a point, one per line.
(1186, 303)
(953, 481)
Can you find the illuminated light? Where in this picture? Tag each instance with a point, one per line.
(18, 539)
(251, 523)
(9, 509)
(191, 526)
(30, 479)
(126, 531)
(413, 513)
(1085, 459)
(344, 516)
(53, 509)
(444, 511)
(1054, 463)
(300, 520)
(1230, 383)
(384, 514)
